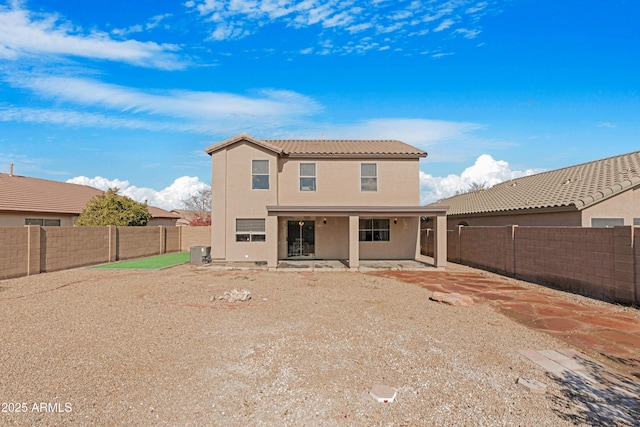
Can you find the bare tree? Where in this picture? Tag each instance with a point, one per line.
(477, 186)
(200, 202)
(474, 186)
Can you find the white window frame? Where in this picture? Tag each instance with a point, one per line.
(251, 230)
(307, 177)
(255, 174)
(367, 179)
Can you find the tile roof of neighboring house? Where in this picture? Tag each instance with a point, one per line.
(161, 213)
(328, 147)
(574, 187)
(25, 194)
(185, 216)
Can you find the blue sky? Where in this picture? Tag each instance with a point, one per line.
(129, 93)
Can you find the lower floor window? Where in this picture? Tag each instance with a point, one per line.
(250, 230)
(43, 222)
(374, 230)
(606, 222)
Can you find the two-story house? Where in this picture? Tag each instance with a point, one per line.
(322, 199)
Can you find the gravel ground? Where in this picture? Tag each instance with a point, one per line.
(90, 347)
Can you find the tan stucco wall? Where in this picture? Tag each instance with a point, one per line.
(560, 219)
(624, 205)
(403, 238)
(331, 239)
(16, 219)
(167, 222)
(338, 183)
(234, 198)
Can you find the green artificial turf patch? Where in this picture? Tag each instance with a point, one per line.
(151, 263)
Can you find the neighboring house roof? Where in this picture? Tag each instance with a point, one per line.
(161, 213)
(575, 187)
(185, 215)
(327, 148)
(25, 194)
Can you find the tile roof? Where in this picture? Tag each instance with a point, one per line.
(327, 147)
(352, 147)
(25, 194)
(575, 187)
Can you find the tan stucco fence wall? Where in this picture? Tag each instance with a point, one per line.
(602, 263)
(34, 249)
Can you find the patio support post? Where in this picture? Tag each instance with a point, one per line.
(354, 242)
(418, 252)
(440, 241)
(272, 242)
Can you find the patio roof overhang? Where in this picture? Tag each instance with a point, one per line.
(402, 211)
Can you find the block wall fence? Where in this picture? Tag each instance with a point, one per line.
(34, 249)
(602, 263)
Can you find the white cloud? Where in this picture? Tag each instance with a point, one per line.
(485, 170)
(24, 33)
(477, 8)
(468, 34)
(134, 108)
(422, 133)
(234, 19)
(168, 198)
(447, 23)
(138, 28)
(607, 125)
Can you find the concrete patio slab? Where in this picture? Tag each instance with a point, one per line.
(320, 265)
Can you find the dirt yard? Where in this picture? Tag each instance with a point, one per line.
(89, 347)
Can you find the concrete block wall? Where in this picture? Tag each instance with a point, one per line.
(137, 242)
(14, 252)
(602, 263)
(453, 248)
(483, 247)
(71, 247)
(33, 249)
(625, 264)
(172, 239)
(575, 259)
(194, 236)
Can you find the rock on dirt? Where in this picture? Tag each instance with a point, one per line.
(235, 295)
(452, 298)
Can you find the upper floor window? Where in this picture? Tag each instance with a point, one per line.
(368, 177)
(307, 177)
(260, 174)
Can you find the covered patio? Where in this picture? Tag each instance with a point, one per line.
(352, 233)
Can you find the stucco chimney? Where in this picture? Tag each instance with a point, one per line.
(11, 170)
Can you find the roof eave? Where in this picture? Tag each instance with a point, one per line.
(238, 138)
(358, 155)
(524, 211)
(607, 192)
